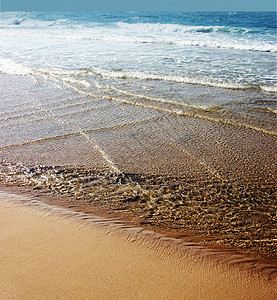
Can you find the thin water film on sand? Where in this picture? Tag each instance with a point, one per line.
(185, 171)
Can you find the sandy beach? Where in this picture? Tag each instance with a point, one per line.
(187, 202)
(138, 155)
(52, 253)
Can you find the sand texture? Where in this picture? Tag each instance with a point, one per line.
(52, 253)
(203, 171)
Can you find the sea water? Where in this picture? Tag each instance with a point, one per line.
(168, 116)
(220, 66)
(229, 50)
(217, 66)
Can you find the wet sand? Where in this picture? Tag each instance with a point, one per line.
(49, 252)
(194, 171)
(197, 175)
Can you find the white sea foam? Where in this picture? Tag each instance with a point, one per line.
(217, 56)
(173, 78)
(171, 34)
(175, 28)
(11, 67)
(272, 89)
(75, 81)
(8, 66)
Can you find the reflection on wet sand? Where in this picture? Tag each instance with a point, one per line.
(181, 171)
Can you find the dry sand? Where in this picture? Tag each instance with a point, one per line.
(51, 253)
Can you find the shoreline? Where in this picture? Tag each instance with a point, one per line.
(138, 156)
(55, 252)
(214, 182)
(211, 230)
(126, 220)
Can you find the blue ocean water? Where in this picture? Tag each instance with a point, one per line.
(224, 61)
(226, 49)
(151, 93)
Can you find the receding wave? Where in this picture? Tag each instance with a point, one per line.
(178, 107)
(269, 88)
(8, 66)
(122, 74)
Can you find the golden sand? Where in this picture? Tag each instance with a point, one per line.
(48, 254)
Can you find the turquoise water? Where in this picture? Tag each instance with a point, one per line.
(230, 50)
(223, 64)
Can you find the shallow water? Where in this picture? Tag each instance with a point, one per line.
(168, 117)
(181, 172)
